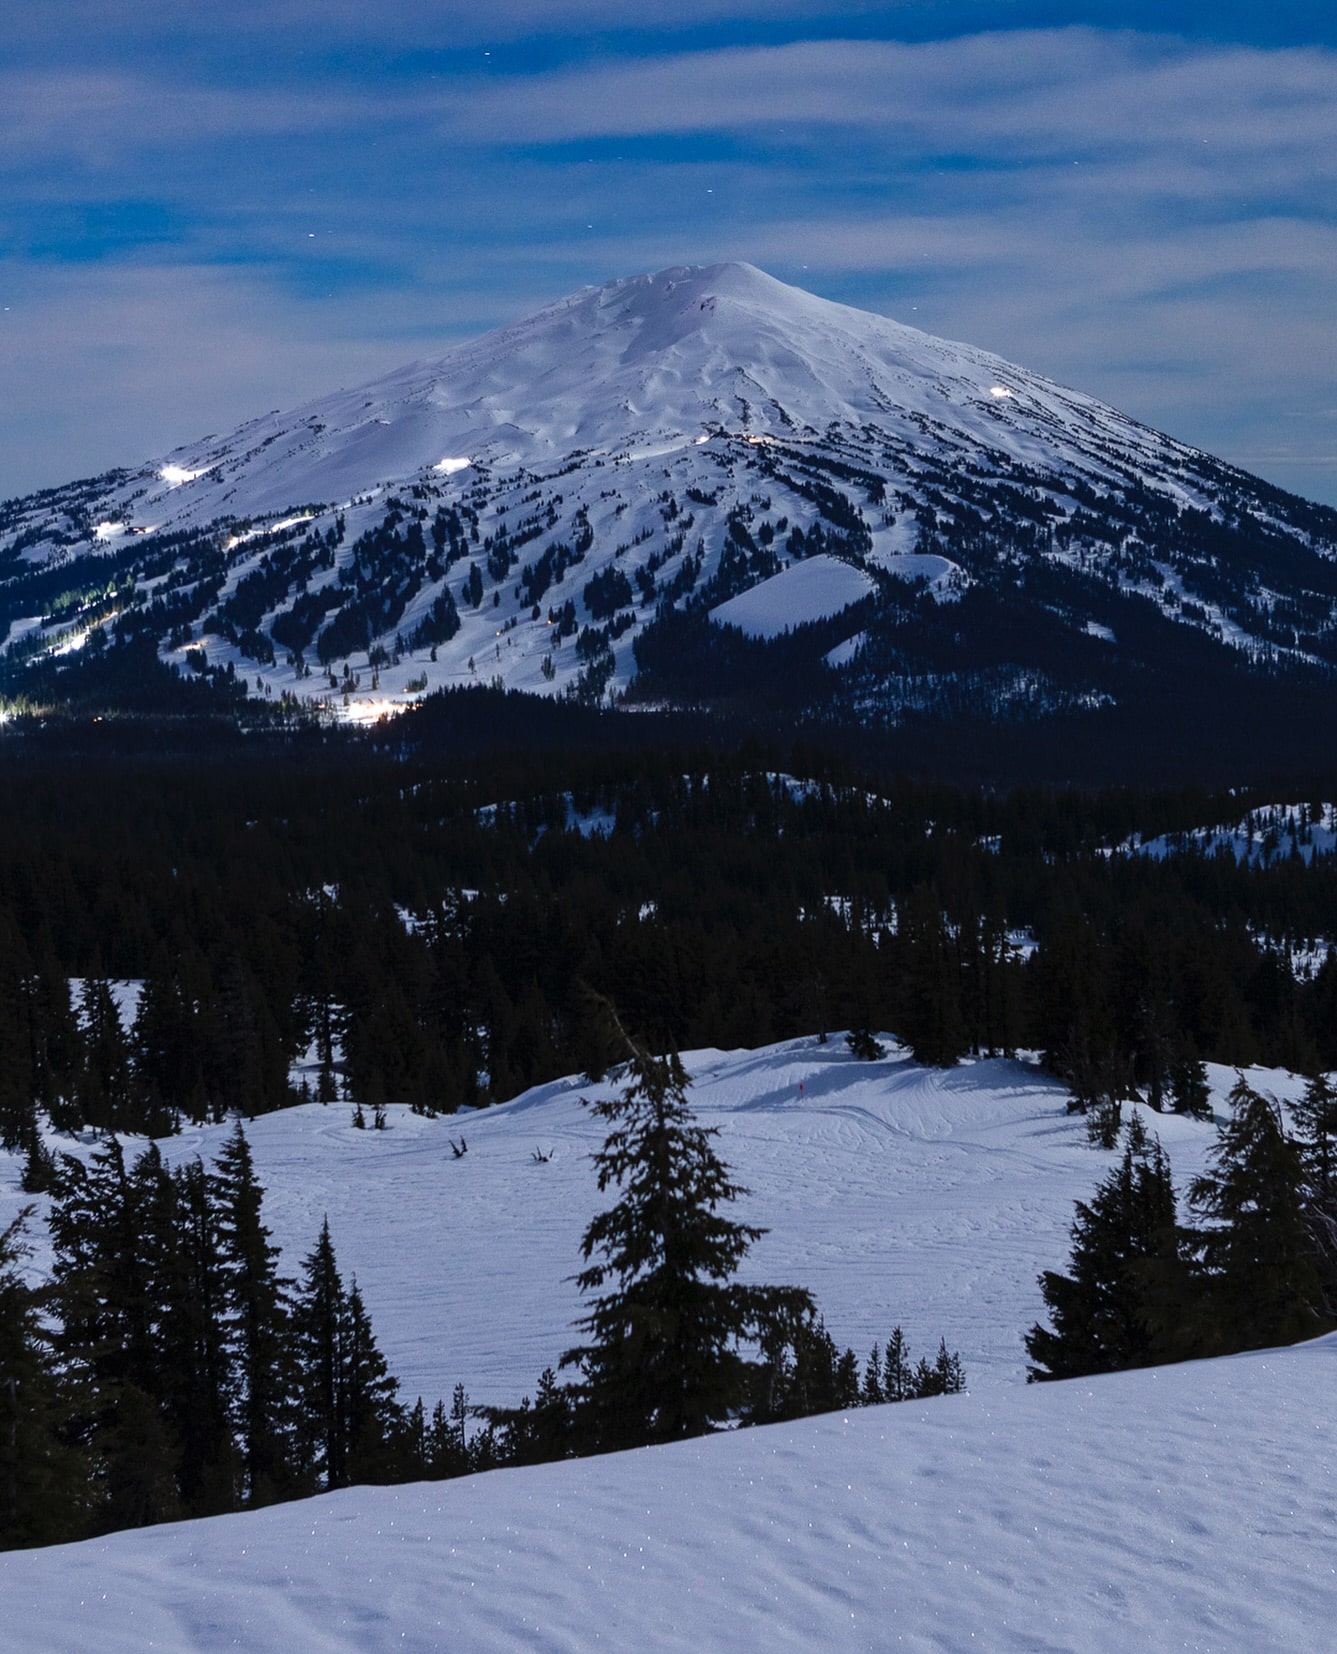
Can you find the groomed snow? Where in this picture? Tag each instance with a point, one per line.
(814, 589)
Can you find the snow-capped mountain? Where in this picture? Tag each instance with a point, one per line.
(601, 498)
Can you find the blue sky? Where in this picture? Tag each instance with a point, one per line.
(234, 207)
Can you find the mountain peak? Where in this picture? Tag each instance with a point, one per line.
(710, 447)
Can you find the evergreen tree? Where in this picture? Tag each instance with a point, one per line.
(373, 1419)
(1264, 1275)
(864, 1044)
(662, 1359)
(897, 1373)
(1125, 1257)
(804, 1372)
(871, 1393)
(42, 1478)
(255, 1314)
(1188, 1086)
(105, 1084)
(1316, 1118)
(931, 1017)
(537, 1431)
(163, 1050)
(943, 1376)
(352, 1427)
(199, 1377)
(107, 1245)
(318, 1329)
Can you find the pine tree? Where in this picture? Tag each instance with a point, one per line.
(871, 1392)
(1188, 1086)
(107, 1244)
(1316, 1118)
(662, 1359)
(1261, 1255)
(318, 1331)
(931, 1018)
(352, 1427)
(199, 1378)
(897, 1373)
(42, 1478)
(105, 1081)
(255, 1312)
(373, 1418)
(1125, 1251)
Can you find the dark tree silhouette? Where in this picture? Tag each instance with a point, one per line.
(662, 1358)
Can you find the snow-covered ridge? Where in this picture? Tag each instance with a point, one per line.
(1183, 1507)
(1263, 835)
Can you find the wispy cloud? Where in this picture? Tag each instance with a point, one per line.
(1144, 217)
(1035, 92)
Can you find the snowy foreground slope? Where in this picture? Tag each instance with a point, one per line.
(1177, 1508)
(1188, 1507)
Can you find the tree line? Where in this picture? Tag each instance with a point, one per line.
(424, 931)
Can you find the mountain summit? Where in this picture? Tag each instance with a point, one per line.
(649, 360)
(684, 485)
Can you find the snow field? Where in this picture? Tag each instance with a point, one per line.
(815, 589)
(896, 1194)
(1177, 1508)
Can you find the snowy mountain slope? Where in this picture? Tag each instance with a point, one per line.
(638, 370)
(1180, 1507)
(524, 508)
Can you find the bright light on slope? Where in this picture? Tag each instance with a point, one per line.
(175, 475)
(450, 466)
(109, 531)
(999, 390)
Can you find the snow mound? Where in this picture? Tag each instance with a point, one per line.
(816, 589)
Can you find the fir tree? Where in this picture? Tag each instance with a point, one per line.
(1316, 1118)
(897, 1374)
(255, 1313)
(200, 1381)
(352, 1426)
(1125, 1251)
(107, 1243)
(373, 1419)
(662, 1359)
(317, 1328)
(1261, 1255)
(42, 1478)
(931, 1018)
(1188, 1086)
